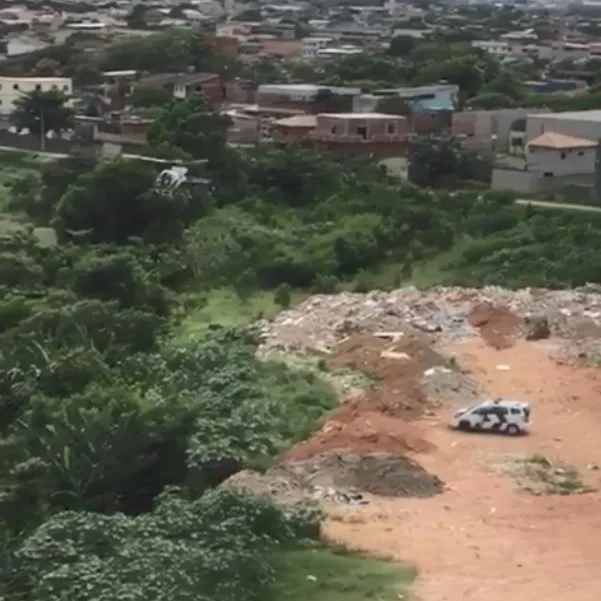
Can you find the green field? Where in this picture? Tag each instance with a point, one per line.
(333, 574)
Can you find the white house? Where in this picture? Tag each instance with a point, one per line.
(311, 46)
(12, 88)
(554, 155)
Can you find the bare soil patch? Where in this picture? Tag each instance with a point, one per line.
(482, 538)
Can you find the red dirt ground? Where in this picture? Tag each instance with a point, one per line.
(482, 539)
(366, 432)
(377, 419)
(498, 325)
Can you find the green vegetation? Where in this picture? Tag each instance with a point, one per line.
(129, 384)
(335, 575)
(538, 475)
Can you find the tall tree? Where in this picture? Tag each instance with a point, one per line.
(42, 112)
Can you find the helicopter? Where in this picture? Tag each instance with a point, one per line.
(175, 175)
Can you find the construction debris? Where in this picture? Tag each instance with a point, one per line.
(339, 478)
(322, 321)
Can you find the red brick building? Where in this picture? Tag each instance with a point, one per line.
(349, 134)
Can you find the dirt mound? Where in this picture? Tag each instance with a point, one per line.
(376, 420)
(498, 325)
(397, 362)
(377, 473)
(367, 432)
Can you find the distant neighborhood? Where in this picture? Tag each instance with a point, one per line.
(360, 80)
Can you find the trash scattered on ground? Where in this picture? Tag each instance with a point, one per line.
(322, 321)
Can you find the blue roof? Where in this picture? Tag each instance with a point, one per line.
(432, 104)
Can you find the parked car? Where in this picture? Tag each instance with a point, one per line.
(498, 415)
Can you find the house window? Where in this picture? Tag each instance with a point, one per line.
(65, 88)
(38, 87)
(563, 155)
(333, 130)
(548, 174)
(581, 153)
(16, 86)
(362, 131)
(390, 129)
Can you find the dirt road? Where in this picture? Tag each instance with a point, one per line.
(483, 540)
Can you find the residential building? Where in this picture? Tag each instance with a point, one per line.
(312, 45)
(279, 49)
(553, 161)
(310, 98)
(13, 88)
(210, 85)
(555, 155)
(435, 97)
(498, 48)
(492, 131)
(325, 55)
(580, 124)
(252, 123)
(353, 134)
(294, 129)
(117, 128)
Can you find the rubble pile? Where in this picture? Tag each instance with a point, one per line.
(376, 473)
(322, 321)
(444, 385)
(339, 478)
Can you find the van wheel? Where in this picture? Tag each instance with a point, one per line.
(465, 426)
(512, 430)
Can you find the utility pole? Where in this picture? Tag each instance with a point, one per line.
(42, 132)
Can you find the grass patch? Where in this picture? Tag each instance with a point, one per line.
(332, 574)
(343, 379)
(302, 398)
(223, 306)
(539, 475)
(434, 271)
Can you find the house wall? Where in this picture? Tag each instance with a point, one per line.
(486, 124)
(581, 128)
(561, 162)
(331, 127)
(211, 90)
(526, 182)
(12, 88)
